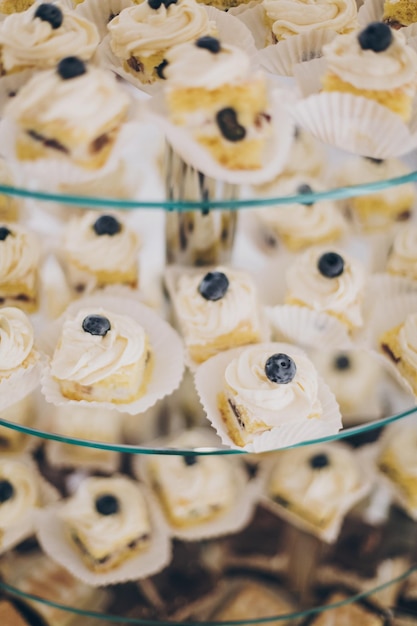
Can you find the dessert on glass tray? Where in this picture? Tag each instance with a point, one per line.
(99, 249)
(20, 256)
(375, 63)
(213, 93)
(107, 521)
(102, 357)
(398, 344)
(95, 108)
(402, 258)
(141, 35)
(17, 351)
(43, 35)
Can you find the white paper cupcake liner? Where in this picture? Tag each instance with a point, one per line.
(281, 58)
(253, 16)
(166, 345)
(233, 519)
(209, 381)
(230, 31)
(332, 530)
(25, 527)
(306, 328)
(389, 312)
(385, 286)
(99, 11)
(373, 11)
(275, 153)
(172, 275)
(19, 384)
(52, 537)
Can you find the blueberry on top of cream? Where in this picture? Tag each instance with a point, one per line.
(280, 368)
(190, 460)
(214, 286)
(71, 67)
(209, 43)
(305, 189)
(107, 504)
(6, 491)
(4, 233)
(96, 325)
(331, 265)
(107, 225)
(377, 37)
(50, 13)
(318, 461)
(342, 362)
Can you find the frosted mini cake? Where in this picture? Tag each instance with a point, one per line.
(19, 493)
(400, 345)
(402, 260)
(19, 267)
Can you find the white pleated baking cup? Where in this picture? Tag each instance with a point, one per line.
(48, 174)
(51, 534)
(234, 518)
(100, 11)
(230, 31)
(283, 56)
(25, 527)
(171, 277)
(242, 7)
(373, 11)
(354, 124)
(166, 345)
(330, 533)
(209, 381)
(308, 76)
(253, 16)
(384, 285)
(275, 154)
(391, 312)
(306, 328)
(21, 382)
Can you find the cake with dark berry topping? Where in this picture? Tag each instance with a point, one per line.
(20, 256)
(102, 357)
(193, 488)
(107, 520)
(19, 496)
(43, 35)
(265, 388)
(217, 310)
(377, 64)
(99, 250)
(328, 281)
(73, 112)
(399, 345)
(141, 35)
(212, 92)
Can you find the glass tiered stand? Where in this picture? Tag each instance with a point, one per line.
(203, 224)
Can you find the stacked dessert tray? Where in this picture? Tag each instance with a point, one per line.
(208, 328)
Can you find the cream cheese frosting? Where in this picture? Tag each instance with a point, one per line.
(25, 491)
(340, 295)
(87, 359)
(19, 256)
(393, 68)
(293, 17)
(203, 319)
(319, 490)
(16, 339)
(196, 490)
(191, 66)
(141, 31)
(403, 256)
(85, 104)
(407, 338)
(85, 248)
(271, 402)
(103, 533)
(28, 41)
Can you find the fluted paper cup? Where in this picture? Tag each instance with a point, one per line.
(100, 12)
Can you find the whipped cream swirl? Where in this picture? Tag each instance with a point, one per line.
(204, 319)
(141, 31)
(319, 490)
(19, 256)
(26, 41)
(25, 491)
(403, 257)
(293, 17)
(88, 359)
(191, 66)
(366, 69)
(271, 402)
(16, 338)
(103, 533)
(94, 252)
(340, 295)
(407, 338)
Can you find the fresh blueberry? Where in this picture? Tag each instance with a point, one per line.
(160, 69)
(107, 504)
(209, 43)
(6, 491)
(155, 4)
(4, 233)
(305, 189)
(50, 13)
(190, 460)
(71, 67)
(342, 362)
(319, 461)
(229, 126)
(107, 225)
(377, 36)
(280, 368)
(96, 325)
(213, 286)
(331, 265)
